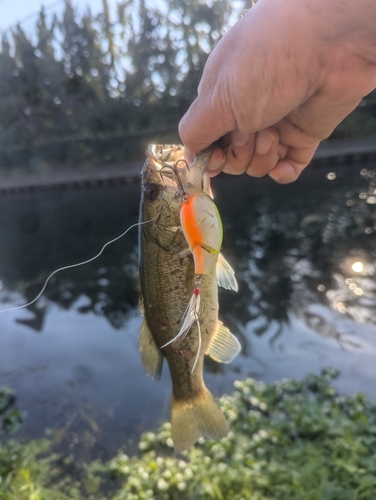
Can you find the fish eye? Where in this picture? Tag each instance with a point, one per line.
(151, 191)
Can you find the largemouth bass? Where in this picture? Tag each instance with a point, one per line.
(180, 268)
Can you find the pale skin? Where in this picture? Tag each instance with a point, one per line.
(279, 82)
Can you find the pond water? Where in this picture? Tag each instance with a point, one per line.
(304, 256)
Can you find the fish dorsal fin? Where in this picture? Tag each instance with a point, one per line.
(224, 346)
(151, 356)
(225, 274)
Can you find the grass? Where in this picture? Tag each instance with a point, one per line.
(288, 440)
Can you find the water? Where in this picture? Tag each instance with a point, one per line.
(304, 256)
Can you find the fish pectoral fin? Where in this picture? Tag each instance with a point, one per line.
(224, 346)
(172, 229)
(151, 356)
(196, 417)
(225, 274)
(184, 253)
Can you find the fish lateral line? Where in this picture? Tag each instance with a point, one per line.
(78, 264)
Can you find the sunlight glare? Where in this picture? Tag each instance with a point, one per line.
(357, 267)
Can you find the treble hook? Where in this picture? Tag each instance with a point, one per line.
(186, 164)
(176, 177)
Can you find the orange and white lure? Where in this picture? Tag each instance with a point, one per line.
(202, 228)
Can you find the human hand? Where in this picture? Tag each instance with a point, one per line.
(279, 82)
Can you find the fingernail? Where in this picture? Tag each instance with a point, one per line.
(215, 165)
(217, 160)
(239, 138)
(189, 155)
(283, 174)
(264, 142)
(213, 173)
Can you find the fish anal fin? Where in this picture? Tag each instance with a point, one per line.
(195, 418)
(224, 346)
(225, 274)
(151, 356)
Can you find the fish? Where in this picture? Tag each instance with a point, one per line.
(180, 267)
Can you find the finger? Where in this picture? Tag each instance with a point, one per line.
(299, 148)
(239, 157)
(217, 161)
(238, 138)
(266, 153)
(203, 124)
(289, 169)
(189, 155)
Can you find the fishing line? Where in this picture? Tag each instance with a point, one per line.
(79, 264)
(199, 343)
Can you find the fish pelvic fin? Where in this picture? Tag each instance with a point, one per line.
(141, 297)
(151, 356)
(224, 346)
(195, 418)
(225, 274)
(141, 304)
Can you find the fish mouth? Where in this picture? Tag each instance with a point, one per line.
(168, 162)
(167, 155)
(167, 165)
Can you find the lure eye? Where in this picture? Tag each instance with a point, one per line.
(151, 191)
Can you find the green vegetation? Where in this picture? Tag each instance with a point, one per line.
(288, 440)
(88, 90)
(10, 417)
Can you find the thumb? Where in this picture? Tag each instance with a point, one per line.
(202, 125)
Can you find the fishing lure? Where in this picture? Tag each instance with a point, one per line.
(202, 228)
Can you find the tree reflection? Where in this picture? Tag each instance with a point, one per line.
(110, 292)
(294, 249)
(71, 228)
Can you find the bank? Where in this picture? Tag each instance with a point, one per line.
(329, 152)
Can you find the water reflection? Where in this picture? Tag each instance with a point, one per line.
(293, 246)
(44, 232)
(305, 245)
(304, 255)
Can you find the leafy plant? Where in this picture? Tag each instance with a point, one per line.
(289, 440)
(10, 417)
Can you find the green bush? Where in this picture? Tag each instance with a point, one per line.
(10, 417)
(288, 440)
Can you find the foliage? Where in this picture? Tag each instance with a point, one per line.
(10, 417)
(91, 91)
(292, 439)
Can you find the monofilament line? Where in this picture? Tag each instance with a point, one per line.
(199, 341)
(77, 265)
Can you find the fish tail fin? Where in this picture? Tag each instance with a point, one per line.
(195, 418)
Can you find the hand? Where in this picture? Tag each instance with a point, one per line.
(279, 82)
